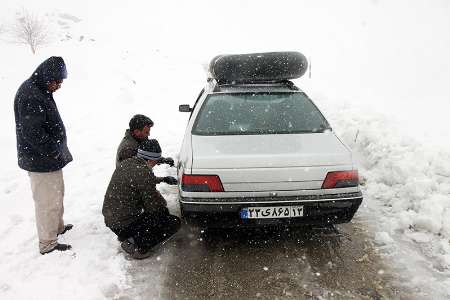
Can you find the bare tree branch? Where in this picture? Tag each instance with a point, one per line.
(29, 29)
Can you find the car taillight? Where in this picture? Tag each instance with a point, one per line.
(201, 183)
(341, 179)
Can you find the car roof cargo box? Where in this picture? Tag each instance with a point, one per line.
(257, 67)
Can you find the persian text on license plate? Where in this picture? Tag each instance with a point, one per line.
(272, 212)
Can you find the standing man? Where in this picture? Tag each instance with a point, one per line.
(133, 208)
(42, 149)
(137, 133)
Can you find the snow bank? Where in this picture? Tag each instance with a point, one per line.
(406, 191)
(410, 179)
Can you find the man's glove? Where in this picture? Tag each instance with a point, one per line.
(170, 180)
(166, 160)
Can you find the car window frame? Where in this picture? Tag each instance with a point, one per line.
(196, 102)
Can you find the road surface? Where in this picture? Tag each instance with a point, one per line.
(315, 263)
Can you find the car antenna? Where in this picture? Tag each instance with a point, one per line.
(309, 71)
(356, 136)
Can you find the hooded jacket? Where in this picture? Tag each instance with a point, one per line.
(131, 192)
(40, 131)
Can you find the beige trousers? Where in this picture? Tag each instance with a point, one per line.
(48, 195)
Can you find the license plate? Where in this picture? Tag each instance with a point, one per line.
(272, 212)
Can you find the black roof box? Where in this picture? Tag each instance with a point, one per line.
(257, 67)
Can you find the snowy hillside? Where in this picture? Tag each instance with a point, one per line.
(380, 73)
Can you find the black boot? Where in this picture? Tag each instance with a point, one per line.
(142, 253)
(67, 227)
(134, 251)
(59, 247)
(128, 246)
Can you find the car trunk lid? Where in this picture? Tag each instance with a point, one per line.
(269, 162)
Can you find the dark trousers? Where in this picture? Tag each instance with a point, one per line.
(150, 229)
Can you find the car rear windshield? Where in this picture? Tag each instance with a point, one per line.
(258, 113)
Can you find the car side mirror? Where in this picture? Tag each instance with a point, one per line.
(184, 108)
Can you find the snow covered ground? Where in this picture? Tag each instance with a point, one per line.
(380, 73)
(407, 197)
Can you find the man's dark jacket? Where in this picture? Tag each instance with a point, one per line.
(127, 148)
(131, 191)
(41, 135)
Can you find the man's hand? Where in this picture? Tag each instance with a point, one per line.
(170, 180)
(167, 160)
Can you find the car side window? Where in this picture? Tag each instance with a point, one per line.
(196, 101)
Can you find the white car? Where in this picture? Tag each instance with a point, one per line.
(260, 152)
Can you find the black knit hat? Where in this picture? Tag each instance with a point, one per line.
(149, 150)
(139, 122)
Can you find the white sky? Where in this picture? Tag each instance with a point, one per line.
(392, 55)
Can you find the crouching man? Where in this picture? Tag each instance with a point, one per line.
(133, 208)
(138, 132)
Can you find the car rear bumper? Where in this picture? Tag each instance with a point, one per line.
(225, 212)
